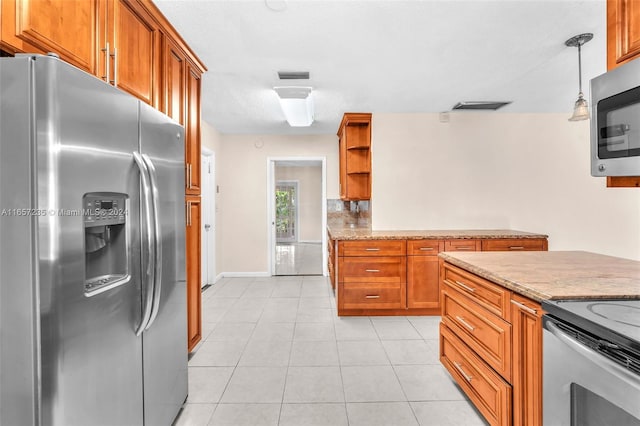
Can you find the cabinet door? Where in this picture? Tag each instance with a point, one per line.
(623, 31)
(65, 27)
(192, 129)
(343, 166)
(174, 76)
(526, 318)
(423, 288)
(133, 37)
(194, 292)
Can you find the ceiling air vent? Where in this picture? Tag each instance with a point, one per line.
(293, 75)
(481, 105)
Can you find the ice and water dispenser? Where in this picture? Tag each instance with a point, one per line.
(106, 243)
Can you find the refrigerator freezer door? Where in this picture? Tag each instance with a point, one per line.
(19, 351)
(86, 132)
(165, 340)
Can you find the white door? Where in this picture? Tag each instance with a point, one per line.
(208, 217)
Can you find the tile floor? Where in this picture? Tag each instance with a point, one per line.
(299, 259)
(275, 353)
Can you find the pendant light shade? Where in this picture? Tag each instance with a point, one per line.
(581, 107)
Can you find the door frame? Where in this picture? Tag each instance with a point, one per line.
(210, 215)
(271, 208)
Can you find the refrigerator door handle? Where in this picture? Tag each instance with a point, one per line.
(157, 280)
(149, 248)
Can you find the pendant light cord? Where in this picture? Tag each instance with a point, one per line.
(580, 67)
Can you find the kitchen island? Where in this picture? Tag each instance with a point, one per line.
(398, 272)
(491, 328)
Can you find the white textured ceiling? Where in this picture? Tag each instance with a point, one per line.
(386, 56)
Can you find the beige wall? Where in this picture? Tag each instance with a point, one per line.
(309, 180)
(242, 202)
(528, 172)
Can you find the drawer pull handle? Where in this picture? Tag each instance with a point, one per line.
(516, 248)
(458, 366)
(525, 307)
(466, 287)
(372, 270)
(426, 248)
(466, 324)
(372, 249)
(372, 296)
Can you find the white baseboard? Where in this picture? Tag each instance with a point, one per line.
(242, 275)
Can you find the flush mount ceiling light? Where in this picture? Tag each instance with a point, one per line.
(480, 105)
(581, 108)
(297, 105)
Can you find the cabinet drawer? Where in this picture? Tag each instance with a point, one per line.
(424, 247)
(390, 269)
(487, 334)
(462, 245)
(373, 296)
(489, 392)
(372, 248)
(490, 296)
(521, 244)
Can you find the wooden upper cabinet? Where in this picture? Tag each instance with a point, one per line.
(623, 31)
(175, 83)
(192, 128)
(623, 45)
(65, 27)
(354, 136)
(133, 37)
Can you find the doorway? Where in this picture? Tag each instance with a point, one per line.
(297, 215)
(208, 231)
(286, 211)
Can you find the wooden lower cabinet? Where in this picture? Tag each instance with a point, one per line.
(423, 274)
(526, 320)
(507, 342)
(193, 270)
(489, 392)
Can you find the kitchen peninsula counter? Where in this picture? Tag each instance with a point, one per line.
(542, 275)
(344, 232)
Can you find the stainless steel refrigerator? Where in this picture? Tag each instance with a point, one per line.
(92, 268)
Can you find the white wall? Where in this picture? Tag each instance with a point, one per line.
(528, 172)
(242, 201)
(309, 199)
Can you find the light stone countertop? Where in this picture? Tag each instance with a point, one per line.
(341, 231)
(542, 275)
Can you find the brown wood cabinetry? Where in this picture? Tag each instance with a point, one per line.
(194, 294)
(488, 327)
(354, 136)
(489, 392)
(623, 45)
(462, 245)
(371, 276)
(535, 244)
(65, 27)
(404, 277)
(526, 319)
(423, 273)
(131, 45)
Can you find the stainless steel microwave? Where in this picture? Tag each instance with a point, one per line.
(615, 122)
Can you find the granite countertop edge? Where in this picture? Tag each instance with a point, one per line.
(529, 290)
(340, 233)
(523, 290)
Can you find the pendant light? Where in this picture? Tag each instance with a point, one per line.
(581, 108)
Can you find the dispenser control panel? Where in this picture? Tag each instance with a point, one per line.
(104, 210)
